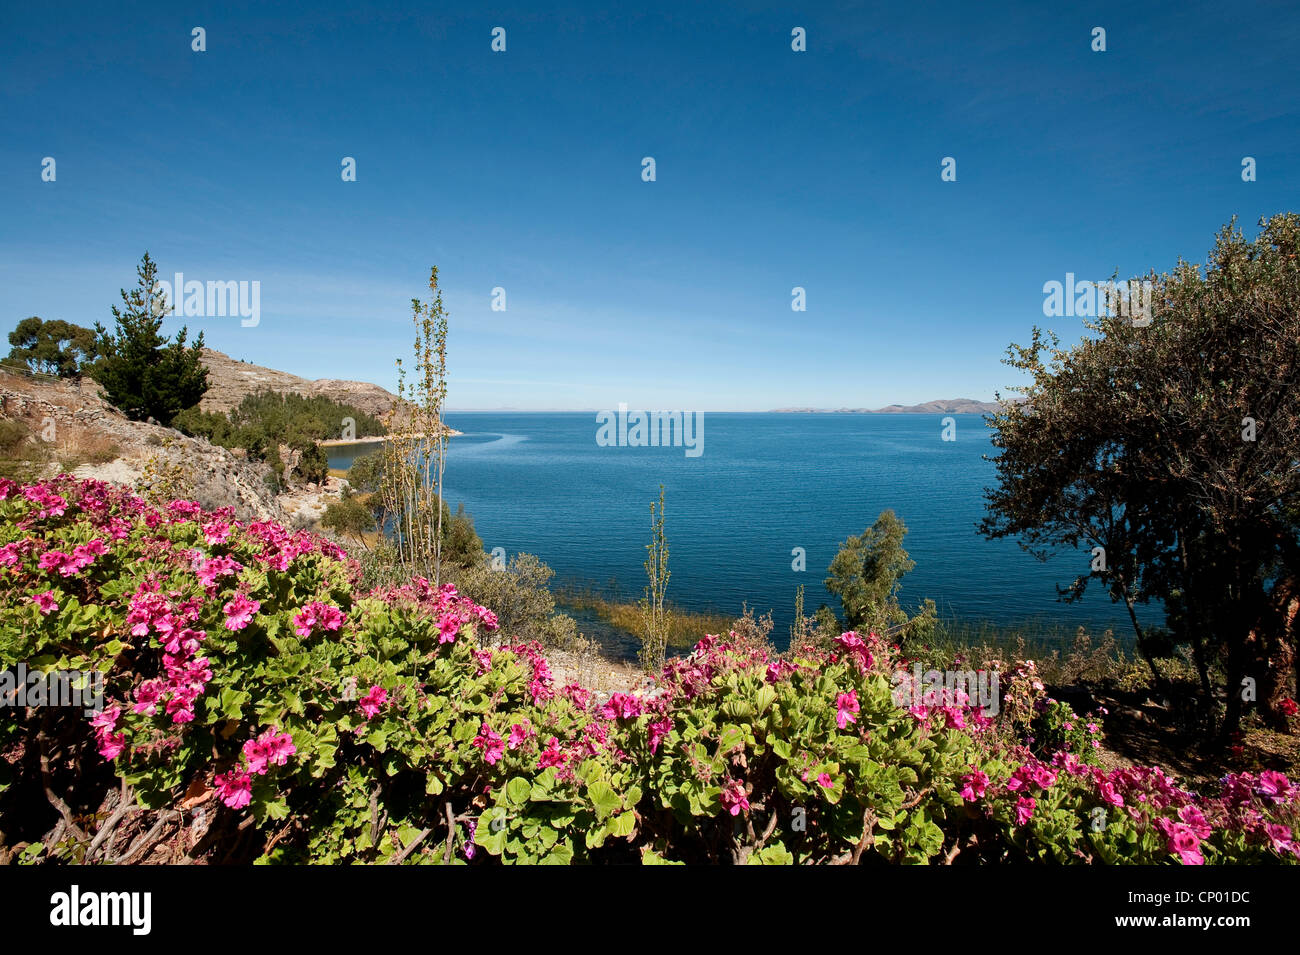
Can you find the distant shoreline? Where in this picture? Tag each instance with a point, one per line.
(379, 439)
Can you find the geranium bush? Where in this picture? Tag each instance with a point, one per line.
(260, 706)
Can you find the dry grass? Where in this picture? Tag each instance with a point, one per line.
(685, 627)
(79, 446)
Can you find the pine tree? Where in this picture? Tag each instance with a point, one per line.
(143, 372)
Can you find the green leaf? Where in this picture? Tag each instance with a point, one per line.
(772, 855)
(518, 791)
(624, 824)
(603, 798)
(491, 830)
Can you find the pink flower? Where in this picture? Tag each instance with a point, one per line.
(317, 614)
(1280, 837)
(107, 719)
(216, 532)
(239, 611)
(490, 743)
(147, 696)
(111, 744)
(1195, 820)
(734, 798)
(846, 708)
(235, 789)
(1180, 839)
(272, 748)
(778, 670)
(853, 645)
(46, 602)
(824, 780)
(449, 626)
(577, 695)
(1043, 776)
(65, 564)
(518, 734)
(1024, 810)
(954, 717)
(551, 755)
(1274, 785)
(623, 706)
(658, 730)
(210, 569)
(372, 702)
(973, 785)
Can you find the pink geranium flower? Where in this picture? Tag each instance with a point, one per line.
(46, 602)
(1280, 838)
(734, 799)
(1024, 810)
(658, 729)
(490, 743)
(239, 611)
(846, 708)
(372, 702)
(973, 785)
(518, 734)
(552, 755)
(317, 615)
(1274, 785)
(235, 789)
(854, 646)
(623, 706)
(1181, 840)
(272, 748)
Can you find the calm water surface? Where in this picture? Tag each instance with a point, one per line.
(764, 485)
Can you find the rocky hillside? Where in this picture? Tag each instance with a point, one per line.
(72, 429)
(230, 380)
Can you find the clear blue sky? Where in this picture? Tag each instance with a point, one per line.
(523, 170)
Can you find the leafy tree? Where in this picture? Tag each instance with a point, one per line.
(144, 373)
(366, 472)
(1174, 447)
(52, 348)
(313, 464)
(866, 575)
(267, 419)
(461, 544)
(350, 517)
(521, 598)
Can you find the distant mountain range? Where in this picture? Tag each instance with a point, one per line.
(940, 406)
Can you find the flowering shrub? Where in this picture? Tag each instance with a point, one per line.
(261, 707)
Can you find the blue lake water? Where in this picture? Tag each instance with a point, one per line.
(764, 485)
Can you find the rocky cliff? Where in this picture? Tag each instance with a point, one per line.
(229, 380)
(73, 429)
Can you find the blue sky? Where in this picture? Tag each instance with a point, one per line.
(522, 170)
